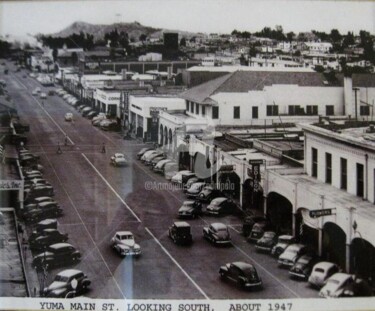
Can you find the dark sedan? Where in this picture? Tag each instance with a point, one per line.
(267, 241)
(217, 233)
(221, 206)
(303, 267)
(243, 274)
(56, 255)
(258, 230)
(46, 238)
(209, 193)
(38, 213)
(190, 209)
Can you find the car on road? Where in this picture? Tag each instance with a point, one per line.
(118, 159)
(157, 155)
(221, 206)
(159, 167)
(124, 244)
(56, 255)
(180, 233)
(321, 272)
(42, 199)
(51, 93)
(156, 160)
(243, 274)
(266, 242)
(208, 193)
(68, 117)
(217, 233)
(291, 254)
(34, 93)
(101, 116)
(109, 125)
(303, 266)
(195, 189)
(39, 191)
(335, 285)
(43, 95)
(91, 115)
(85, 111)
(142, 151)
(182, 177)
(148, 156)
(49, 223)
(258, 230)
(282, 243)
(62, 284)
(191, 181)
(249, 221)
(170, 169)
(190, 209)
(46, 238)
(42, 211)
(358, 288)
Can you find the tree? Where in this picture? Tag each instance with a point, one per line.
(183, 41)
(335, 35)
(55, 54)
(142, 37)
(290, 36)
(74, 58)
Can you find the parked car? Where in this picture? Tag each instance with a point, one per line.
(46, 238)
(42, 211)
(181, 176)
(142, 152)
(220, 206)
(180, 233)
(267, 241)
(170, 169)
(68, 116)
(291, 254)
(62, 284)
(243, 274)
(209, 193)
(156, 160)
(258, 230)
(110, 125)
(123, 243)
(39, 192)
(118, 159)
(321, 272)
(85, 111)
(358, 288)
(21, 127)
(159, 167)
(101, 116)
(195, 189)
(43, 95)
(249, 222)
(191, 181)
(91, 115)
(217, 233)
(51, 92)
(190, 209)
(40, 200)
(303, 266)
(96, 122)
(34, 92)
(49, 223)
(335, 285)
(282, 243)
(56, 255)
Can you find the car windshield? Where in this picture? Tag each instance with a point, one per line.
(284, 240)
(249, 271)
(304, 260)
(221, 229)
(320, 270)
(61, 278)
(333, 281)
(126, 237)
(269, 235)
(292, 250)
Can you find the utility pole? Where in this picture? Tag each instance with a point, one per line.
(356, 89)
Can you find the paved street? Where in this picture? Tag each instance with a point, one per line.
(99, 199)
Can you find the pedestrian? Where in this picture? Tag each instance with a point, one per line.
(59, 151)
(66, 140)
(103, 148)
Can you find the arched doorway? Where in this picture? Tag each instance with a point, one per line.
(307, 228)
(280, 213)
(250, 199)
(334, 244)
(161, 136)
(165, 136)
(182, 156)
(170, 138)
(229, 182)
(362, 259)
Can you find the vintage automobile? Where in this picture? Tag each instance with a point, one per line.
(267, 241)
(62, 284)
(209, 193)
(147, 154)
(291, 254)
(46, 238)
(243, 274)
(91, 115)
(158, 154)
(170, 169)
(190, 209)
(68, 117)
(220, 206)
(180, 233)
(156, 160)
(194, 190)
(159, 167)
(142, 152)
(191, 181)
(217, 233)
(123, 243)
(56, 255)
(303, 266)
(321, 272)
(282, 243)
(358, 288)
(182, 177)
(42, 211)
(335, 285)
(258, 230)
(118, 159)
(249, 222)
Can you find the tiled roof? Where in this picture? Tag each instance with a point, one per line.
(244, 81)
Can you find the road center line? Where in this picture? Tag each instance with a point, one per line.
(265, 270)
(110, 187)
(177, 264)
(53, 120)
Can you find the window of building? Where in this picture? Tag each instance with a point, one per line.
(330, 110)
(196, 108)
(255, 112)
(312, 110)
(272, 110)
(236, 112)
(203, 110)
(364, 110)
(295, 110)
(191, 107)
(344, 173)
(360, 180)
(215, 112)
(328, 168)
(187, 105)
(314, 162)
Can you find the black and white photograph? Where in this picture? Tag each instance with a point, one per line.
(169, 155)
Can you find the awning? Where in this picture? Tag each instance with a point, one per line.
(307, 220)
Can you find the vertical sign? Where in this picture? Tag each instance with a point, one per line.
(255, 167)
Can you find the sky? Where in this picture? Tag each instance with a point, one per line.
(19, 18)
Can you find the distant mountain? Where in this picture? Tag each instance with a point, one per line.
(134, 30)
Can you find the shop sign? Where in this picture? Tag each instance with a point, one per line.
(320, 213)
(11, 184)
(227, 168)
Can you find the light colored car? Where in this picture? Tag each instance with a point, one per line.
(291, 254)
(335, 285)
(179, 176)
(100, 116)
(217, 233)
(170, 169)
(321, 272)
(195, 189)
(123, 242)
(118, 159)
(69, 116)
(160, 165)
(43, 95)
(34, 93)
(147, 154)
